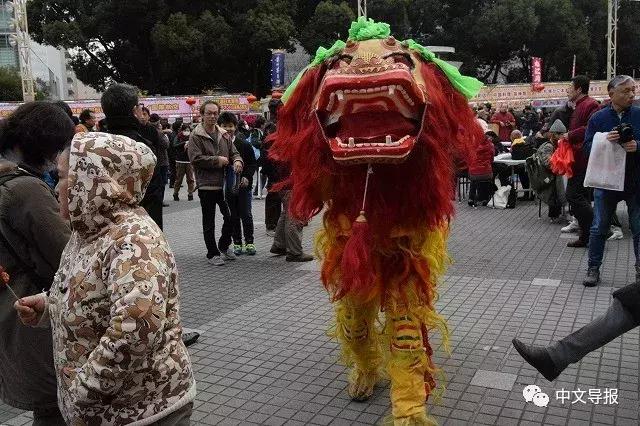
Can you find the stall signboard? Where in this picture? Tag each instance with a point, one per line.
(166, 107)
(553, 94)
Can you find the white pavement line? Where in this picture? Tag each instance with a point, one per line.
(545, 282)
(494, 380)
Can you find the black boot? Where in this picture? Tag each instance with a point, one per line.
(190, 338)
(593, 277)
(538, 358)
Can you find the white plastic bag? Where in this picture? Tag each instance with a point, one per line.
(501, 197)
(606, 164)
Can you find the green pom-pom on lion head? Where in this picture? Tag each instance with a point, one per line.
(368, 29)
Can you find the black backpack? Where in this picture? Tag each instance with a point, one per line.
(540, 177)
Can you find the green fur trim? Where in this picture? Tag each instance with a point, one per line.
(322, 54)
(468, 86)
(368, 29)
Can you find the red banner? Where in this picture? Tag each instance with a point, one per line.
(536, 74)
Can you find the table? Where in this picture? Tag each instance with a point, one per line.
(506, 160)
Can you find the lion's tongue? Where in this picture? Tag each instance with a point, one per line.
(365, 125)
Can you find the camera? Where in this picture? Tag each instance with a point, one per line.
(625, 131)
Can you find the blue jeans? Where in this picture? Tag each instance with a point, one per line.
(603, 210)
(241, 216)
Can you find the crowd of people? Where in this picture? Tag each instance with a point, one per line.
(569, 131)
(98, 338)
(536, 135)
(81, 219)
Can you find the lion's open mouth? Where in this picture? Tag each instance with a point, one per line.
(371, 120)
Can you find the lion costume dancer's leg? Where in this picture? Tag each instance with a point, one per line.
(401, 346)
(356, 331)
(409, 365)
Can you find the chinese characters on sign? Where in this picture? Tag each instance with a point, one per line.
(277, 69)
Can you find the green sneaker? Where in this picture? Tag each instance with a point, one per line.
(237, 249)
(251, 249)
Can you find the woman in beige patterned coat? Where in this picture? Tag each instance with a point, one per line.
(113, 306)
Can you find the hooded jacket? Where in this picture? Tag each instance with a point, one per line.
(113, 304)
(205, 152)
(148, 135)
(31, 226)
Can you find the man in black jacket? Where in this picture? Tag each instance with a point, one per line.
(122, 110)
(238, 188)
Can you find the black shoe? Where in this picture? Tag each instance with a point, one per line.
(577, 243)
(190, 197)
(277, 250)
(301, 258)
(165, 204)
(538, 358)
(593, 277)
(175, 197)
(190, 338)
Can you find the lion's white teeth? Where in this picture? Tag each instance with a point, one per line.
(352, 142)
(388, 139)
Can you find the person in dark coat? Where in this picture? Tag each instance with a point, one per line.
(273, 201)
(32, 238)
(578, 196)
(238, 194)
(122, 110)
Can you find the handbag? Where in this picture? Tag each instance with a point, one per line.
(501, 197)
(606, 167)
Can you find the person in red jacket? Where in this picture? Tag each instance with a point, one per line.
(506, 121)
(577, 195)
(481, 174)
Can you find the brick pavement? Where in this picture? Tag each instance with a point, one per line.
(264, 357)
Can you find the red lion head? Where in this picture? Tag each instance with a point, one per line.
(379, 102)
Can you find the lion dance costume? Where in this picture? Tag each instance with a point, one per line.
(372, 131)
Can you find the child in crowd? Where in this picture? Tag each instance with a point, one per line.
(238, 187)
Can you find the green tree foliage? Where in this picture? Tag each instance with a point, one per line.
(10, 85)
(329, 23)
(187, 46)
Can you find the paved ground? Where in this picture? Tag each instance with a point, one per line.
(264, 357)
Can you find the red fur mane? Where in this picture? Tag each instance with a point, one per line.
(416, 193)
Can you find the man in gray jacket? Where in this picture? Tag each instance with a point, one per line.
(213, 155)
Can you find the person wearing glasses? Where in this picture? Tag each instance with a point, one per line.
(213, 154)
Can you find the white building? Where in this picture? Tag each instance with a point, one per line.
(50, 67)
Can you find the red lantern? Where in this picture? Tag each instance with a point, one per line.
(191, 101)
(251, 99)
(538, 87)
(276, 95)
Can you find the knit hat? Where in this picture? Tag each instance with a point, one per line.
(558, 127)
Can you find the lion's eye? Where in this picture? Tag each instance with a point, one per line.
(341, 61)
(402, 58)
